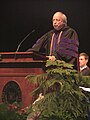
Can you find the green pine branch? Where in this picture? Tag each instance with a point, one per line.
(63, 99)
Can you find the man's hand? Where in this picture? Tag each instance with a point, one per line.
(53, 58)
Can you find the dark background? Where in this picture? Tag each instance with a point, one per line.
(19, 17)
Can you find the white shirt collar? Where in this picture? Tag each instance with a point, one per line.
(83, 68)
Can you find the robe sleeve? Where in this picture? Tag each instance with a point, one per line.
(41, 43)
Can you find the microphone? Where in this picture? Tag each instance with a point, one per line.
(23, 41)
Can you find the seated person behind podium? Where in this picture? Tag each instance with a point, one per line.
(85, 70)
(60, 43)
(83, 61)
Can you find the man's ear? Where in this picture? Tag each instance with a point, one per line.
(86, 61)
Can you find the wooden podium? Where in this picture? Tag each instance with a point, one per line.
(14, 67)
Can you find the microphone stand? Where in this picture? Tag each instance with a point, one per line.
(22, 42)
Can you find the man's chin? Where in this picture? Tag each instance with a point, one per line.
(57, 29)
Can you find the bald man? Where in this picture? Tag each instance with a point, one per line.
(60, 43)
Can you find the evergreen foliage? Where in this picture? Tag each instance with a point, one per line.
(63, 99)
(12, 112)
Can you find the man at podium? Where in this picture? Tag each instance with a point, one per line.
(60, 43)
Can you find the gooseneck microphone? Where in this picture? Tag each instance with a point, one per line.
(22, 42)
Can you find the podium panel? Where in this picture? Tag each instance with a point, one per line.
(14, 67)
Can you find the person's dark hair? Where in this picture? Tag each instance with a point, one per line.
(85, 55)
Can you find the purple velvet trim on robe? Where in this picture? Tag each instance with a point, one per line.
(68, 46)
(71, 41)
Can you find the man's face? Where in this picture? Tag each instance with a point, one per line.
(57, 21)
(82, 61)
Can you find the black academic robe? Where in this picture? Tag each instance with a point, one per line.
(66, 49)
(86, 71)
